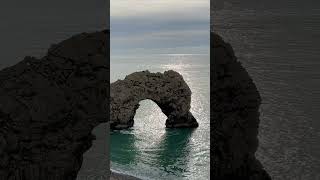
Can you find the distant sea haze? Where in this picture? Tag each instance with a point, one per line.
(277, 41)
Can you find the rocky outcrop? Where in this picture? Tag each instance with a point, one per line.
(49, 106)
(234, 117)
(168, 90)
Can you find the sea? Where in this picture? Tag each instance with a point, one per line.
(277, 42)
(149, 150)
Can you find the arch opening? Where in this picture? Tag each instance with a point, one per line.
(149, 114)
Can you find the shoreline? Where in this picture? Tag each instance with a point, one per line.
(120, 176)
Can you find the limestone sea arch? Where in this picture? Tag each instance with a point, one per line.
(168, 90)
(49, 107)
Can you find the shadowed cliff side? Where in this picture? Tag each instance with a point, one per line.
(234, 117)
(49, 106)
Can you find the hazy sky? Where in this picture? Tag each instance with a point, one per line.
(159, 26)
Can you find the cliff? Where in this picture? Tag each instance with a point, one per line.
(234, 117)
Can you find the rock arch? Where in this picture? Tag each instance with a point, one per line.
(49, 107)
(168, 90)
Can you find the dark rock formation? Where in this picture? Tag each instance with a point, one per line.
(49, 106)
(234, 117)
(168, 90)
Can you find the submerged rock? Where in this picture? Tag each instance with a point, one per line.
(234, 117)
(49, 106)
(168, 90)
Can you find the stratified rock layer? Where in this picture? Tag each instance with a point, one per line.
(168, 90)
(234, 117)
(48, 108)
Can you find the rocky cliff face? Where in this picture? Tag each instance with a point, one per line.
(168, 90)
(234, 117)
(49, 106)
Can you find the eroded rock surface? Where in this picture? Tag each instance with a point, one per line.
(234, 117)
(168, 90)
(49, 106)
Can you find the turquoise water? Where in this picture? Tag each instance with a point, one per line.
(149, 150)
